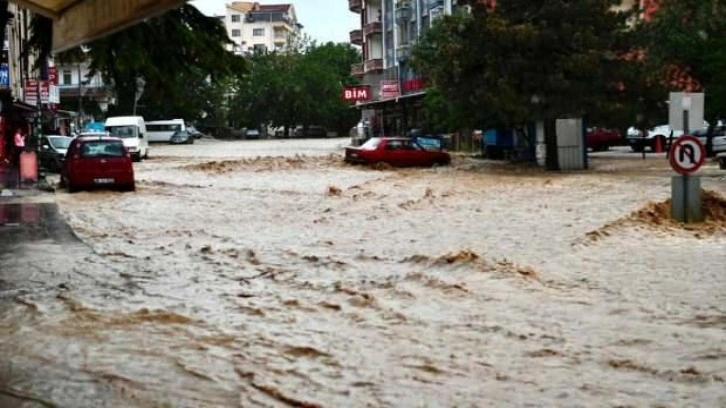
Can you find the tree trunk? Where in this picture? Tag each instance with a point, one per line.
(552, 161)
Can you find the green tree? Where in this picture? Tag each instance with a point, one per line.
(299, 87)
(689, 36)
(531, 60)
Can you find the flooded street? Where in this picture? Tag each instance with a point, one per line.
(270, 274)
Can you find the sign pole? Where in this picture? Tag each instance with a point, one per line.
(687, 155)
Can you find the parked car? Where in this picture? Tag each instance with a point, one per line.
(182, 137)
(718, 140)
(658, 134)
(195, 132)
(98, 162)
(252, 134)
(601, 139)
(662, 133)
(52, 151)
(395, 151)
(312, 131)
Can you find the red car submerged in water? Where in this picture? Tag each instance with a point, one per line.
(601, 139)
(97, 161)
(396, 151)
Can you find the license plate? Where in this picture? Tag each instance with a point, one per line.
(103, 181)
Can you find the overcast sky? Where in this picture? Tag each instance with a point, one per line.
(324, 20)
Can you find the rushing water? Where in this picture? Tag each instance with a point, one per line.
(234, 277)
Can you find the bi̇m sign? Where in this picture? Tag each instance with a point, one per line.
(356, 93)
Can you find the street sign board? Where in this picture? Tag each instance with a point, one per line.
(356, 93)
(389, 88)
(687, 154)
(685, 106)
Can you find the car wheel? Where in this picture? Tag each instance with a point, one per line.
(136, 157)
(380, 165)
(722, 163)
(72, 188)
(129, 187)
(146, 154)
(637, 149)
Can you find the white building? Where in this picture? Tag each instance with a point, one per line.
(261, 27)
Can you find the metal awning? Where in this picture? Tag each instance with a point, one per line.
(389, 101)
(76, 22)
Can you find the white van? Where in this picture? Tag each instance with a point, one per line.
(162, 130)
(132, 129)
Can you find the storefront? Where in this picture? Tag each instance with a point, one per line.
(395, 116)
(16, 117)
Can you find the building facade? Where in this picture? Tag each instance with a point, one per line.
(388, 31)
(255, 27)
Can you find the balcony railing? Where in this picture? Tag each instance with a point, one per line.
(356, 70)
(372, 28)
(375, 64)
(356, 37)
(403, 52)
(355, 5)
(403, 12)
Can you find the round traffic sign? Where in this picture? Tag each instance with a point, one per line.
(687, 154)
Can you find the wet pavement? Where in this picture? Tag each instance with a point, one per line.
(266, 274)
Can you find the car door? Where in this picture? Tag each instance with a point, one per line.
(393, 153)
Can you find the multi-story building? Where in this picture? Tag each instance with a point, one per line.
(389, 30)
(261, 27)
(82, 92)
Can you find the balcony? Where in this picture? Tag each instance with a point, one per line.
(372, 28)
(355, 5)
(356, 37)
(371, 65)
(403, 52)
(356, 70)
(403, 12)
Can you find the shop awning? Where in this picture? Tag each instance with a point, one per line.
(76, 22)
(391, 101)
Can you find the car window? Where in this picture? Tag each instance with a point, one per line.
(371, 144)
(59, 142)
(394, 145)
(124, 132)
(102, 148)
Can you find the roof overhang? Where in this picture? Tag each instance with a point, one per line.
(389, 101)
(76, 22)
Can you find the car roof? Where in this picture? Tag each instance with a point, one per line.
(95, 138)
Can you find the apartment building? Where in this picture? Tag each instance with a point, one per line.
(261, 27)
(388, 31)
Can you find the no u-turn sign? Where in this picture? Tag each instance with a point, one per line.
(687, 154)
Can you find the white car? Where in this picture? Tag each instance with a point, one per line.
(638, 143)
(718, 141)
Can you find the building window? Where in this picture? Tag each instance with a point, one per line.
(236, 33)
(258, 32)
(235, 18)
(67, 79)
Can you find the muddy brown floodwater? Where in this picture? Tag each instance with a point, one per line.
(266, 274)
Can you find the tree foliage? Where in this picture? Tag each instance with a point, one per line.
(181, 55)
(689, 36)
(300, 87)
(532, 60)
